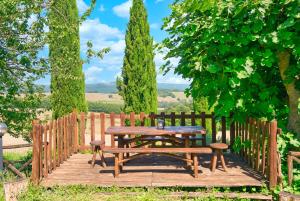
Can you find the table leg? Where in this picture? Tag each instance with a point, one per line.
(195, 161)
(187, 144)
(203, 140)
(121, 155)
(116, 165)
(112, 141)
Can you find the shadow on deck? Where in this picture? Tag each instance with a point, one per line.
(160, 171)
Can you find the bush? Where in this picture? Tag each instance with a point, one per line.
(165, 93)
(105, 107)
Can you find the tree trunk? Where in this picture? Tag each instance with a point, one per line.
(293, 93)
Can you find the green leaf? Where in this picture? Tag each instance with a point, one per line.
(213, 68)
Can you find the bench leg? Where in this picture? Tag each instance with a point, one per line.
(223, 161)
(102, 158)
(195, 161)
(120, 159)
(116, 165)
(94, 156)
(187, 155)
(214, 162)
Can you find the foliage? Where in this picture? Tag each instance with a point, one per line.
(178, 107)
(166, 93)
(229, 49)
(137, 84)
(21, 38)
(105, 107)
(288, 141)
(67, 79)
(82, 193)
(238, 145)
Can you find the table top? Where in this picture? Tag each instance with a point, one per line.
(153, 131)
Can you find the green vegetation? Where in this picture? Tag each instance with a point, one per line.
(137, 84)
(18, 159)
(67, 79)
(20, 63)
(105, 107)
(82, 193)
(244, 55)
(166, 93)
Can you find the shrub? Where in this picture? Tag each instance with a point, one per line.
(105, 107)
(166, 93)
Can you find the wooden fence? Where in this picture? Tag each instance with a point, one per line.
(259, 150)
(55, 141)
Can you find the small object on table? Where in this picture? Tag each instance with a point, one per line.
(97, 148)
(218, 153)
(160, 124)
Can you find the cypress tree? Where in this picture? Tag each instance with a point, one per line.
(67, 78)
(137, 84)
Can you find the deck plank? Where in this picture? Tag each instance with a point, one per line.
(152, 171)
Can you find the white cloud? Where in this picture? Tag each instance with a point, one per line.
(158, 1)
(82, 6)
(102, 35)
(123, 10)
(154, 26)
(92, 74)
(101, 8)
(171, 78)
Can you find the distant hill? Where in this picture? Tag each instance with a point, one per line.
(111, 87)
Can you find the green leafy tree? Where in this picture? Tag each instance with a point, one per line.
(137, 84)
(22, 37)
(242, 55)
(67, 78)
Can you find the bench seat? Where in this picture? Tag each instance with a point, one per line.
(172, 152)
(193, 150)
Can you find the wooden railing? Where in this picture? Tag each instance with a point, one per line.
(259, 150)
(55, 141)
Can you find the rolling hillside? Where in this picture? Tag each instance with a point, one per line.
(111, 87)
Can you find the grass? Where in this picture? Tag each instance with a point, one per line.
(19, 159)
(87, 193)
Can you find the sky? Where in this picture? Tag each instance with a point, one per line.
(106, 27)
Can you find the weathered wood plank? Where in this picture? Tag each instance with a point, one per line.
(152, 171)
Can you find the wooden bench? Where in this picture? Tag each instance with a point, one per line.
(172, 152)
(151, 140)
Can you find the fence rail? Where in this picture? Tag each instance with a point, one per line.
(55, 141)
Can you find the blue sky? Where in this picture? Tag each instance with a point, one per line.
(106, 27)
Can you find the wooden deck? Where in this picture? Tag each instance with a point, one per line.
(152, 170)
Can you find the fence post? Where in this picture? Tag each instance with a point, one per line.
(132, 119)
(223, 130)
(92, 126)
(142, 117)
(75, 131)
(182, 119)
(35, 176)
(232, 130)
(152, 119)
(213, 128)
(82, 130)
(273, 155)
(102, 125)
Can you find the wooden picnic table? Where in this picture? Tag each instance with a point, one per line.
(148, 134)
(141, 132)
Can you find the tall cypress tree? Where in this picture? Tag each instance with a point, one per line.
(137, 84)
(67, 78)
